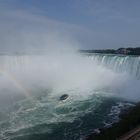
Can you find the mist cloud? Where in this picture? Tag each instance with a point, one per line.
(24, 31)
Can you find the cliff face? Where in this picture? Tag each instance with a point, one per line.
(124, 51)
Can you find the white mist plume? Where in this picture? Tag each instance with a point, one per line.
(25, 32)
(60, 68)
(60, 72)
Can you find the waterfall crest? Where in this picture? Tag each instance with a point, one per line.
(119, 63)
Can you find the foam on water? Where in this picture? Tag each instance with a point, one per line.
(31, 113)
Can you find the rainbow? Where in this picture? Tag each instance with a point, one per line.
(16, 82)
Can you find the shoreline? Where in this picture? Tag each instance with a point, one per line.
(129, 120)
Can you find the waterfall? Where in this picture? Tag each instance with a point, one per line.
(118, 63)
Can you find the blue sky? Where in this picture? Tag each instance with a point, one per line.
(91, 23)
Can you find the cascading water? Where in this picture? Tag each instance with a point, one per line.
(31, 86)
(119, 63)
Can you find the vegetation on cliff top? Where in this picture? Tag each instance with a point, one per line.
(124, 51)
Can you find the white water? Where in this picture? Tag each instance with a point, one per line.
(129, 64)
(65, 72)
(25, 73)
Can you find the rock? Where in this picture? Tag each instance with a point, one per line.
(64, 97)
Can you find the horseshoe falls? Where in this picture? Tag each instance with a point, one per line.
(119, 63)
(99, 87)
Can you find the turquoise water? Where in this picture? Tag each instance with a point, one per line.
(48, 118)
